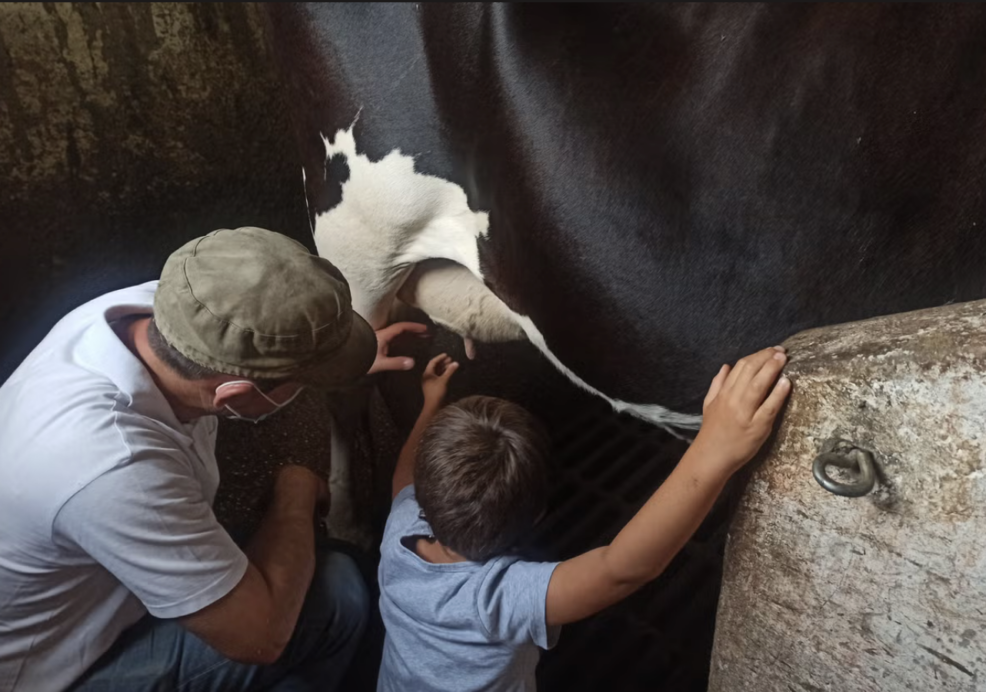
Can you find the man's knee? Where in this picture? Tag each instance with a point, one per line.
(338, 597)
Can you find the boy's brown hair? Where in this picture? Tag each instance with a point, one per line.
(481, 475)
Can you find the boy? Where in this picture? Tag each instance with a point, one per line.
(461, 612)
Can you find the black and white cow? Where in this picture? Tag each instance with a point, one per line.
(643, 191)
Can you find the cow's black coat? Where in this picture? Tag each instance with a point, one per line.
(672, 186)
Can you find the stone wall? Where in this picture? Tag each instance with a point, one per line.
(882, 591)
(125, 130)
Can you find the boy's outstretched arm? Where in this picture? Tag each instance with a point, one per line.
(434, 385)
(740, 410)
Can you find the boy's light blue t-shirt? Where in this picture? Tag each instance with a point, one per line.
(462, 626)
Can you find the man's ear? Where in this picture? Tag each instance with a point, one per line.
(229, 391)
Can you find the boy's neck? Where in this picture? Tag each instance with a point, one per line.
(431, 550)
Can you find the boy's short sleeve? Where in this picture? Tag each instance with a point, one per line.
(513, 599)
(405, 517)
(406, 493)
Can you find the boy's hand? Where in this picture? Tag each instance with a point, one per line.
(741, 406)
(434, 382)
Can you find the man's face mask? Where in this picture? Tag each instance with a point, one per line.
(277, 406)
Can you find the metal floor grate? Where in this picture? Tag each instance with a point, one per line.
(661, 637)
(608, 465)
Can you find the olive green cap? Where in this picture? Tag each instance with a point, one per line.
(258, 305)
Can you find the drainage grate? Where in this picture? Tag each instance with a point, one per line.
(608, 466)
(661, 637)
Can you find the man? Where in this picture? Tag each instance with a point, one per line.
(108, 473)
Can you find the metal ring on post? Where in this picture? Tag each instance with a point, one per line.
(855, 459)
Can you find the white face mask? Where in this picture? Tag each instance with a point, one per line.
(277, 406)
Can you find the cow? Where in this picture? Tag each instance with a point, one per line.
(643, 191)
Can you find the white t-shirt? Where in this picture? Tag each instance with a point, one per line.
(105, 501)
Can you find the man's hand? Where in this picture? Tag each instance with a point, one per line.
(384, 360)
(434, 382)
(741, 406)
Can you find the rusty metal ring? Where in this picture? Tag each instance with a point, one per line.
(855, 458)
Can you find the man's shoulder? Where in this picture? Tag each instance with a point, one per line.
(139, 298)
(65, 392)
(54, 447)
(67, 413)
(66, 352)
(66, 422)
(48, 455)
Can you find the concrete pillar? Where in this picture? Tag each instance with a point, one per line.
(881, 592)
(127, 129)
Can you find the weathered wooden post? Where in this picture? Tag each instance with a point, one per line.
(885, 590)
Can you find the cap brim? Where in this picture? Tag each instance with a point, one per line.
(350, 363)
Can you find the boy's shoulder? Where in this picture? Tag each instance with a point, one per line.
(405, 519)
(504, 596)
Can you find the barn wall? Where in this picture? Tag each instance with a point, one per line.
(126, 129)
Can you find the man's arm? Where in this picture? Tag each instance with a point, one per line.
(434, 385)
(254, 622)
(739, 414)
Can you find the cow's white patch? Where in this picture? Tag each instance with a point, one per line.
(390, 219)
(658, 415)
(304, 186)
